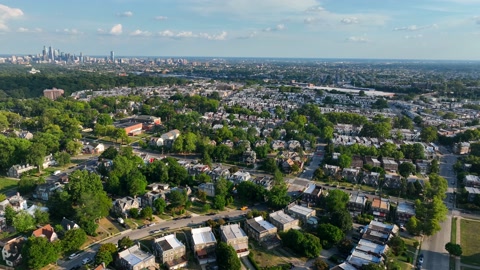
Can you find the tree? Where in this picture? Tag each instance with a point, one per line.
(26, 185)
(133, 212)
(320, 264)
(62, 158)
(304, 243)
(397, 245)
(23, 222)
(73, 240)
(434, 166)
(318, 174)
(177, 198)
(406, 168)
(336, 200)
(227, 258)
(147, 213)
(342, 219)
(270, 165)
(453, 249)
(39, 252)
(89, 226)
(37, 154)
(159, 204)
(41, 217)
(428, 134)
(109, 153)
(329, 234)
(278, 196)
(105, 254)
(9, 215)
(344, 161)
(125, 242)
(219, 202)
(412, 226)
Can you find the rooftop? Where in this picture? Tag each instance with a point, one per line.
(134, 255)
(260, 225)
(404, 207)
(300, 209)
(203, 235)
(281, 217)
(168, 242)
(232, 231)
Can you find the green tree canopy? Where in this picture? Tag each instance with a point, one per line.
(227, 257)
(38, 252)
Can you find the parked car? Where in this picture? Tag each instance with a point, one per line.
(86, 261)
(73, 255)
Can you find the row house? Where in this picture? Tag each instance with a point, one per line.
(170, 251)
(218, 172)
(300, 212)
(356, 203)
(367, 252)
(423, 166)
(208, 188)
(234, 236)
(262, 231)
(462, 148)
(372, 161)
(312, 194)
(472, 181)
(133, 258)
(392, 181)
(282, 221)
(380, 208)
(204, 245)
(405, 211)
(357, 162)
(379, 232)
(351, 175)
(473, 193)
(347, 129)
(389, 164)
(331, 170)
(371, 179)
(265, 181)
(240, 176)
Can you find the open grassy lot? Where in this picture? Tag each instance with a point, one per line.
(264, 257)
(6, 184)
(470, 242)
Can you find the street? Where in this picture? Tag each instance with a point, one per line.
(142, 233)
(315, 162)
(433, 247)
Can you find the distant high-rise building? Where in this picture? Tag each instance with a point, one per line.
(50, 53)
(44, 53)
(53, 93)
(112, 56)
(81, 57)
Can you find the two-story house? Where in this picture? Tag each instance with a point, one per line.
(170, 251)
(234, 236)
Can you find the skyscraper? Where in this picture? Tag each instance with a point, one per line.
(112, 56)
(50, 53)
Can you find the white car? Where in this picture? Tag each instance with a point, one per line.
(86, 261)
(74, 255)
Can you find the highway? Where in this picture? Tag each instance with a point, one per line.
(142, 233)
(433, 247)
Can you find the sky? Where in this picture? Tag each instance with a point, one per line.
(379, 29)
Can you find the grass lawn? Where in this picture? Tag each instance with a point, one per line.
(6, 184)
(404, 260)
(264, 257)
(470, 241)
(453, 239)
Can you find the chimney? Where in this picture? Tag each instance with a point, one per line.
(103, 265)
(18, 194)
(68, 227)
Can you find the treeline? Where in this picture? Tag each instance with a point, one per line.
(32, 85)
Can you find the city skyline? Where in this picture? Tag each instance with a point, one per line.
(432, 29)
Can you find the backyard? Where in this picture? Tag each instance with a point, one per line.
(6, 184)
(470, 242)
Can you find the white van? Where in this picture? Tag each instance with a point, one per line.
(57, 172)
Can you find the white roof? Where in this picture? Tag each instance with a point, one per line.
(281, 217)
(203, 235)
(369, 247)
(263, 223)
(233, 231)
(171, 240)
(300, 209)
(404, 207)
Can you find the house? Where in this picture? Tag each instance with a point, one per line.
(260, 230)
(405, 211)
(372, 161)
(473, 193)
(265, 181)
(356, 203)
(204, 245)
(389, 165)
(357, 162)
(68, 225)
(282, 221)
(133, 258)
(93, 148)
(300, 212)
(380, 208)
(171, 135)
(423, 166)
(46, 231)
(208, 188)
(122, 206)
(44, 191)
(240, 176)
(155, 141)
(379, 232)
(351, 175)
(234, 236)
(462, 148)
(17, 202)
(392, 181)
(331, 169)
(17, 170)
(358, 258)
(249, 157)
(371, 179)
(170, 251)
(312, 193)
(472, 181)
(24, 134)
(12, 251)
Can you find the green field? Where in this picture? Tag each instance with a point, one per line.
(470, 242)
(6, 184)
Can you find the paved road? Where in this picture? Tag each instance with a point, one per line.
(141, 233)
(433, 247)
(317, 159)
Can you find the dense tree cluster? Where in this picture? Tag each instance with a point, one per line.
(303, 243)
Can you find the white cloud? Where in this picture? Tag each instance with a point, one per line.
(140, 33)
(7, 13)
(278, 27)
(116, 30)
(361, 39)
(190, 34)
(161, 18)
(125, 14)
(414, 27)
(67, 31)
(413, 36)
(28, 30)
(315, 9)
(349, 20)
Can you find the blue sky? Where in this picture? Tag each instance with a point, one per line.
(399, 29)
